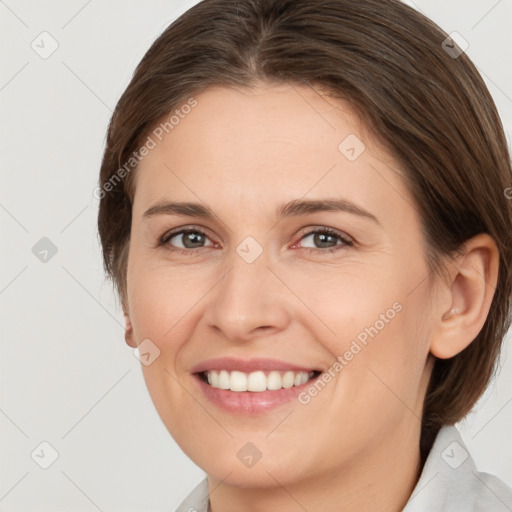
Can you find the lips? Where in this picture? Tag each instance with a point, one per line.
(251, 386)
(231, 364)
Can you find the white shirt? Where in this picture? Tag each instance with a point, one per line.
(449, 482)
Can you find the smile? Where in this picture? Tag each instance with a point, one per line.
(251, 386)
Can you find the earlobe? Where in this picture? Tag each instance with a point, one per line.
(471, 289)
(128, 333)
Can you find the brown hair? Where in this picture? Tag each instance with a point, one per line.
(430, 109)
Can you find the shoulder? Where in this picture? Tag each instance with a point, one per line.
(451, 482)
(197, 500)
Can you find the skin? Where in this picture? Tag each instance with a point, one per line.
(243, 153)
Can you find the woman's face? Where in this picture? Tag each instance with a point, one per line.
(259, 292)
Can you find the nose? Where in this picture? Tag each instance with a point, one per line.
(249, 301)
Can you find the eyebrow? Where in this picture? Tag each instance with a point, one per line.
(293, 208)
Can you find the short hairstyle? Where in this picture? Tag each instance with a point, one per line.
(427, 105)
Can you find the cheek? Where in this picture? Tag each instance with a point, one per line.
(376, 328)
(352, 303)
(162, 299)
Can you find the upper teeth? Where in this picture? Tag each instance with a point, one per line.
(256, 381)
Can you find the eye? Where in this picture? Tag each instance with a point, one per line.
(327, 239)
(186, 240)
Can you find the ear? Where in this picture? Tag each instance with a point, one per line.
(128, 333)
(468, 294)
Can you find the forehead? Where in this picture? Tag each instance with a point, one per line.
(249, 147)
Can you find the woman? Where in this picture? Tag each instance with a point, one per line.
(304, 210)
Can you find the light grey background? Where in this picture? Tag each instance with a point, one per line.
(67, 376)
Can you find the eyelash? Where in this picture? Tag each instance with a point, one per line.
(327, 231)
